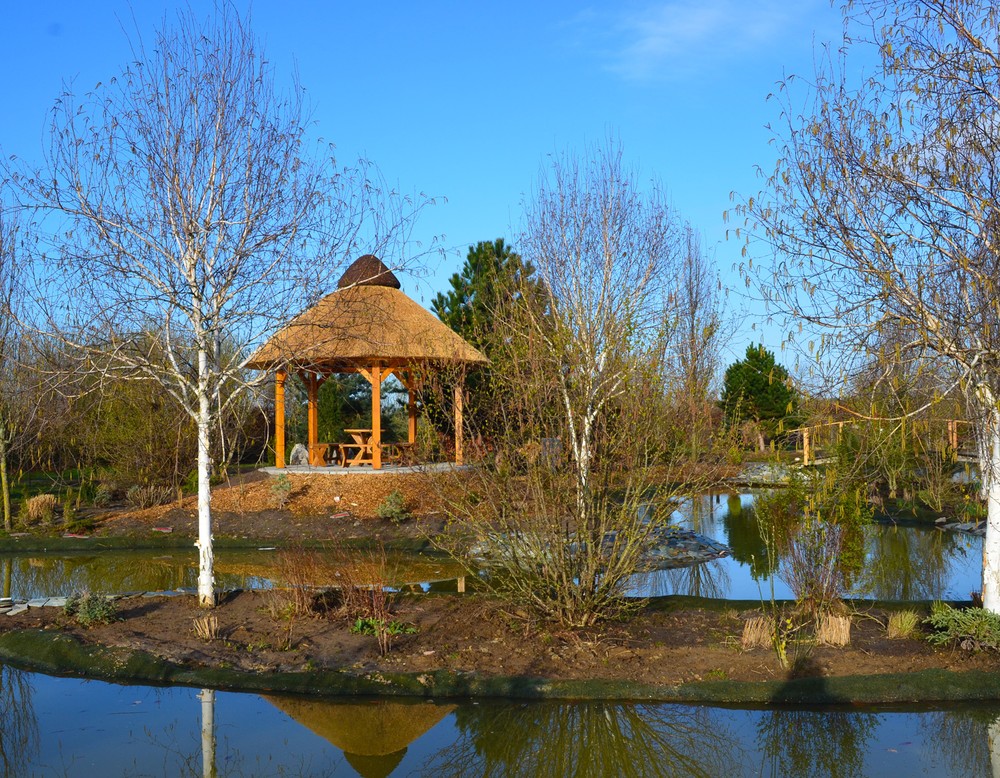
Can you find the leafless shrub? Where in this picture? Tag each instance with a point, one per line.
(142, 497)
(810, 566)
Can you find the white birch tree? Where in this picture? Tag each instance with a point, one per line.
(882, 209)
(185, 219)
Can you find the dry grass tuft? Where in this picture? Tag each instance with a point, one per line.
(758, 632)
(40, 509)
(207, 627)
(833, 630)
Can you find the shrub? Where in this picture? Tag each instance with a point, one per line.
(281, 490)
(971, 628)
(89, 608)
(393, 507)
(69, 511)
(141, 497)
(102, 496)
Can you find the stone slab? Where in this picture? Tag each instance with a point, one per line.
(19, 608)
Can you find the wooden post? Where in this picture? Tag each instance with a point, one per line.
(313, 417)
(376, 439)
(411, 415)
(459, 391)
(279, 418)
(805, 446)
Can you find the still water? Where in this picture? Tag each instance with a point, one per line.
(905, 562)
(902, 562)
(61, 726)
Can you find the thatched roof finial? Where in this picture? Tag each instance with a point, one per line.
(368, 270)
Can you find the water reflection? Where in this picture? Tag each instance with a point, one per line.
(549, 739)
(805, 743)
(373, 734)
(906, 563)
(19, 738)
(40, 575)
(902, 562)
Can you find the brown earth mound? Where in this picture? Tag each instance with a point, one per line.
(319, 507)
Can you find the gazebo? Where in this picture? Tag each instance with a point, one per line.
(367, 326)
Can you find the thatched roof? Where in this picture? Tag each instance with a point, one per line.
(362, 325)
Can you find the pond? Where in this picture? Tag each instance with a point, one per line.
(62, 726)
(907, 561)
(28, 575)
(903, 562)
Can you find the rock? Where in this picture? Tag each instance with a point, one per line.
(19, 608)
(56, 602)
(299, 455)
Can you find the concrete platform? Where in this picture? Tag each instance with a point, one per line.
(435, 467)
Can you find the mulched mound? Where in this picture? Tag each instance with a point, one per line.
(318, 507)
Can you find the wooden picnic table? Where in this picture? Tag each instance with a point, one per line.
(361, 447)
(359, 450)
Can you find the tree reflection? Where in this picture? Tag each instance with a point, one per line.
(805, 743)
(19, 739)
(705, 579)
(968, 740)
(744, 538)
(539, 739)
(907, 563)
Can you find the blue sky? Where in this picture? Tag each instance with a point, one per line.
(464, 100)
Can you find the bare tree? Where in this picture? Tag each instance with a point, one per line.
(186, 219)
(882, 210)
(18, 399)
(561, 511)
(696, 338)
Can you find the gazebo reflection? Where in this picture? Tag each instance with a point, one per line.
(373, 734)
(369, 327)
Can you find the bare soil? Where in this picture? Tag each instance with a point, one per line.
(472, 634)
(319, 507)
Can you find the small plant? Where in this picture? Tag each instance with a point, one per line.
(902, 625)
(375, 626)
(102, 496)
(141, 497)
(207, 627)
(88, 608)
(39, 509)
(393, 508)
(281, 490)
(973, 629)
(69, 510)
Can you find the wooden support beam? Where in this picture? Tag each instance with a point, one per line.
(411, 416)
(312, 386)
(805, 446)
(279, 418)
(459, 392)
(376, 440)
